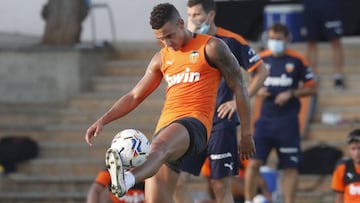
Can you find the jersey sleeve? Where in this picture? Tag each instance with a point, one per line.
(103, 178)
(307, 75)
(246, 56)
(337, 183)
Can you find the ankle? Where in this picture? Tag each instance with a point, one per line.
(129, 180)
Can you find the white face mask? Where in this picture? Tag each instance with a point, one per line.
(276, 46)
(202, 28)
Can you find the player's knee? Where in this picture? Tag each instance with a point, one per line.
(160, 150)
(220, 188)
(180, 190)
(254, 165)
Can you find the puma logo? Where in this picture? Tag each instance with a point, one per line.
(229, 165)
(350, 175)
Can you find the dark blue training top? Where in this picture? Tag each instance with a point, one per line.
(285, 73)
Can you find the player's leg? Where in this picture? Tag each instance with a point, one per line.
(337, 55)
(170, 144)
(180, 139)
(252, 174)
(288, 142)
(191, 165)
(182, 193)
(290, 183)
(183, 136)
(160, 187)
(333, 30)
(224, 161)
(313, 30)
(222, 189)
(263, 143)
(237, 187)
(312, 55)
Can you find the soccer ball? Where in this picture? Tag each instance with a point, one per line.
(259, 198)
(133, 147)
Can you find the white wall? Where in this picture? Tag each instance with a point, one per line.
(131, 18)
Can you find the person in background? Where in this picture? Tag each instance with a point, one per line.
(323, 21)
(99, 191)
(222, 148)
(278, 126)
(346, 176)
(192, 65)
(237, 183)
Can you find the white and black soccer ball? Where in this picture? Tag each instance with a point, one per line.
(133, 147)
(259, 198)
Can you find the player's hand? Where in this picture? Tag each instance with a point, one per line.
(246, 146)
(282, 98)
(263, 92)
(227, 109)
(93, 131)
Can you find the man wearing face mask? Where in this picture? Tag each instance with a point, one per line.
(222, 145)
(278, 126)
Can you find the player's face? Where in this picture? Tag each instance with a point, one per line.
(276, 42)
(354, 151)
(171, 34)
(196, 17)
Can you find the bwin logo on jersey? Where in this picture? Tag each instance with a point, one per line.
(194, 57)
(282, 81)
(183, 77)
(354, 189)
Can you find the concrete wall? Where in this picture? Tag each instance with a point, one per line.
(38, 75)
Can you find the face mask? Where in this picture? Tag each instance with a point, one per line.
(202, 28)
(276, 46)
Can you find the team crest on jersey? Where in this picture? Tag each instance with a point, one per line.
(194, 56)
(268, 66)
(289, 67)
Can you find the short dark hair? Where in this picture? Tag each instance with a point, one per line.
(163, 13)
(280, 28)
(354, 136)
(208, 5)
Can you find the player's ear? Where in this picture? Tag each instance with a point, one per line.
(289, 38)
(212, 14)
(181, 23)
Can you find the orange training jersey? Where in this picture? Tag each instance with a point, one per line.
(192, 83)
(346, 180)
(133, 195)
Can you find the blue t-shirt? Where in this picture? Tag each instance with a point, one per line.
(285, 73)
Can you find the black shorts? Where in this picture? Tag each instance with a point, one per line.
(198, 140)
(222, 150)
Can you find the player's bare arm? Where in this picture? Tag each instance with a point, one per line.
(227, 109)
(283, 97)
(219, 54)
(125, 104)
(261, 72)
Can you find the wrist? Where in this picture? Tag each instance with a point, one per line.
(292, 93)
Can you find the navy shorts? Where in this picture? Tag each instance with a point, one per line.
(198, 140)
(222, 151)
(281, 134)
(322, 20)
